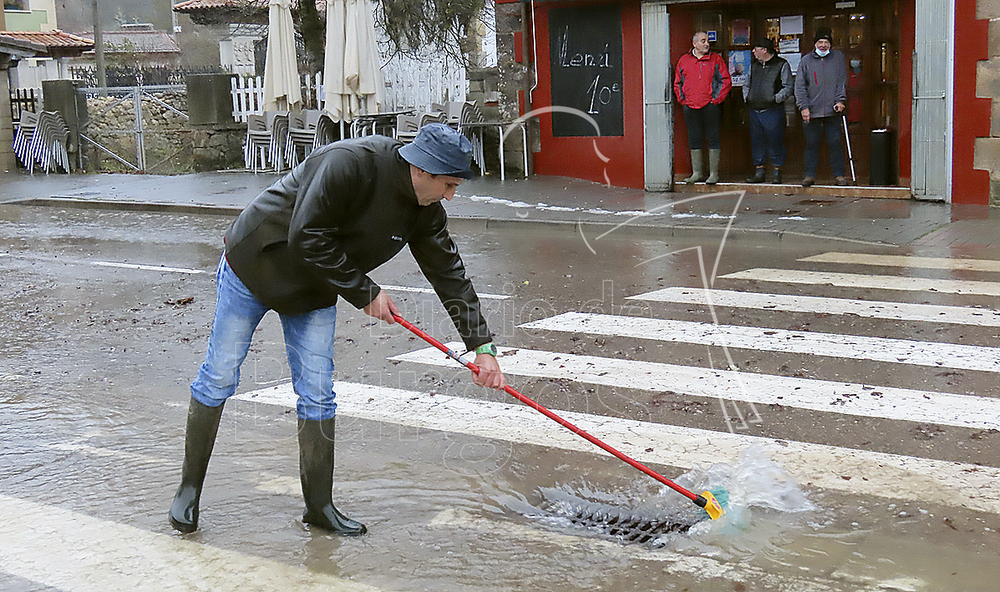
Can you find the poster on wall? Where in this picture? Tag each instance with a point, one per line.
(585, 49)
(741, 32)
(739, 66)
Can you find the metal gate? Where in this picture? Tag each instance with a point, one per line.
(138, 132)
(932, 105)
(658, 116)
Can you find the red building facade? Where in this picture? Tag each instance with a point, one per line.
(908, 76)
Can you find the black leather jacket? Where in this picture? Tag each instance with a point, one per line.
(349, 207)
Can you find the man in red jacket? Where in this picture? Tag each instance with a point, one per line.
(701, 83)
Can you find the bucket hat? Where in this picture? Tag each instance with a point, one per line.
(440, 150)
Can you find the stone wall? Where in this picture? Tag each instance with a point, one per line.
(172, 145)
(514, 78)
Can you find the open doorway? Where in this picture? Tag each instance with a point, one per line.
(868, 32)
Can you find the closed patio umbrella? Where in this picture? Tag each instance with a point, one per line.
(281, 73)
(352, 81)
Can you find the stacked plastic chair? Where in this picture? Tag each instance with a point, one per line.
(407, 126)
(327, 130)
(22, 137)
(470, 115)
(265, 141)
(278, 125)
(301, 135)
(41, 140)
(257, 141)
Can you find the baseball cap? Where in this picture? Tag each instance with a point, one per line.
(766, 43)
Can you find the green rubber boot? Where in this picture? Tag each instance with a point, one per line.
(316, 445)
(202, 427)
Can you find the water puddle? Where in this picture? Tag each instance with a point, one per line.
(752, 489)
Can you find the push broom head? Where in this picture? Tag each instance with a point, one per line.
(713, 505)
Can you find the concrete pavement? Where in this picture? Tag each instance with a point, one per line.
(564, 201)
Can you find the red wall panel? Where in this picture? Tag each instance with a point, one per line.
(576, 156)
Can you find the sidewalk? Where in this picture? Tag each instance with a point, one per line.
(561, 201)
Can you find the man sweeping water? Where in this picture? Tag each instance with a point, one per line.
(300, 246)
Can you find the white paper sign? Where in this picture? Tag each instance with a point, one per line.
(788, 45)
(793, 61)
(791, 25)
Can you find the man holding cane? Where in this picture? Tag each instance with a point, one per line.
(821, 96)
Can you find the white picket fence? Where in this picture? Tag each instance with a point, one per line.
(248, 94)
(409, 84)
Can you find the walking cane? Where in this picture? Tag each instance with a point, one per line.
(850, 154)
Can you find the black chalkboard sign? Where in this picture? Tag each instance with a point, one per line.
(585, 45)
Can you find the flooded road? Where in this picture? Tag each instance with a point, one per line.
(104, 319)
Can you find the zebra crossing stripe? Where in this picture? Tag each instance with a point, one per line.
(872, 473)
(899, 311)
(906, 261)
(482, 295)
(879, 349)
(817, 395)
(878, 282)
(66, 550)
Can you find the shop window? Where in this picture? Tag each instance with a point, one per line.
(15, 4)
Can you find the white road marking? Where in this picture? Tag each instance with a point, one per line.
(900, 311)
(906, 261)
(818, 395)
(871, 473)
(878, 282)
(430, 291)
(136, 266)
(858, 347)
(70, 551)
(140, 267)
(146, 267)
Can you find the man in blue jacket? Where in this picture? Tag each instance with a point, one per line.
(821, 95)
(768, 84)
(301, 245)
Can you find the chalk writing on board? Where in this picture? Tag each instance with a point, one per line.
(601, 94)
(585, 53)
(584, 60)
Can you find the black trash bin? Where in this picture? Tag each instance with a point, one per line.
(883, 158)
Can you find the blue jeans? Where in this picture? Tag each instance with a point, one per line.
(308, 344)
(702, 122)
(767, 136)
(815, 129)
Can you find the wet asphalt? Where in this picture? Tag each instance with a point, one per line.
(562, 201)
(81, 339)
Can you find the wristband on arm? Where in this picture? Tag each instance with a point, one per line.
(487, 348)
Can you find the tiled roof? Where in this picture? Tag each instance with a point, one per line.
(191, 5)
(198, 5)
(51, 39)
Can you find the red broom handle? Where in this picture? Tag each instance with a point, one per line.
(699, 500)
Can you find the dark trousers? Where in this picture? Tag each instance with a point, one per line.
(815, 129)
(702, 122)
(767, 135)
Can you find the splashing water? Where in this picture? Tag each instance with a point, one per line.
(648, 513)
